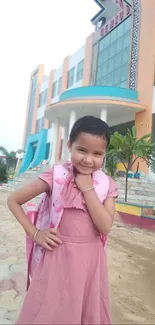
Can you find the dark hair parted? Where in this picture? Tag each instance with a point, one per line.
(91, 125)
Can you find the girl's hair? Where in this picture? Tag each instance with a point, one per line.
(91, 125)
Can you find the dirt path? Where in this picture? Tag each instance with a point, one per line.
(131, 258)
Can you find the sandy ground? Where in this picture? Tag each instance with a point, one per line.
(131, 258)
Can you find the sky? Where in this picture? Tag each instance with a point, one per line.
(34, 32)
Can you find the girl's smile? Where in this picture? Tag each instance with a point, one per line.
(87, 152)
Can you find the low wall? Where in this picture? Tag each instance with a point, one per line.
(135, 215)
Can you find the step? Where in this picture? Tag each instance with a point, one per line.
(138, 192)
(137, 202)
(139, 198)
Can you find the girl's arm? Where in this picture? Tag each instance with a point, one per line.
(101, 214)
(20, 197)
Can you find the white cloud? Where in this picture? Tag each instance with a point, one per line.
(34, 32)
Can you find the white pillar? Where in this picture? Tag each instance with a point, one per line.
(64, 155)
(103, 115)
(72, 120)
(55, 132)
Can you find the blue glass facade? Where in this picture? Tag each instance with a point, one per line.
(114, 56)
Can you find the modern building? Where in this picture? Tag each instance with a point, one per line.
(111, 76)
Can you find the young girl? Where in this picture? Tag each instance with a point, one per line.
(70, 283)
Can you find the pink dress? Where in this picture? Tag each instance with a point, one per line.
(70, 284)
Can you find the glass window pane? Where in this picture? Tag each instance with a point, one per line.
(101, 45)
(113, 35)
(117, 76)
(59, 86)
(71, 77)
(126, 40)
(105, 69)
(111, 65)
(106, 41)
(100, 59)
(79, 74)
(127, 24)
(112, 49)
(118, 60)
(110, 79)
(123, 84)
(125, 55)
(54, 89)
(119, 45)
(120, 30)
(99, 72)
(124, 72)
(105, 54)
(104, 81)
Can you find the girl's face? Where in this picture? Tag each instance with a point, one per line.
(87, 153)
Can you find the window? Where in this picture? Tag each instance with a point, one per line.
(125, 55)
(40, 124)
(126, 40)
(124, 72)
(79, 74)
(118, 60)
(43, 98)
(54, 92)
(112, 50)
(113, 56)
(113, 36)
(71, 73)
(117, 77)
(59, 86)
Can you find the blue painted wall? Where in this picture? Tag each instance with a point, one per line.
(30, 159)
(100, 91)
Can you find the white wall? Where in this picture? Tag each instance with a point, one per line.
(77, 57)
(41, 112)
(55, 99)
(49, 135)
(44, 85)
(74, 60)
(58, 73)
(120, 118)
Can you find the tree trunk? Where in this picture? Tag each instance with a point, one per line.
(126, 186)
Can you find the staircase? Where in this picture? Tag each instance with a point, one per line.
(139, 191)
(23, 179)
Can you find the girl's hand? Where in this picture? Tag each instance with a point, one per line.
(48, 238)
(83, 182)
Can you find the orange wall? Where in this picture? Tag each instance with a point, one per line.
(49, 96)
(145, 84)
(26, 117)
(36, 104)
(63, 88)
(65, 74)
(88, 60)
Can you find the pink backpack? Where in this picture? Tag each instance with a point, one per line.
(49, 211)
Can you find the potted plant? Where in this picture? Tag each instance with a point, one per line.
(130, 174)
(137, 174)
